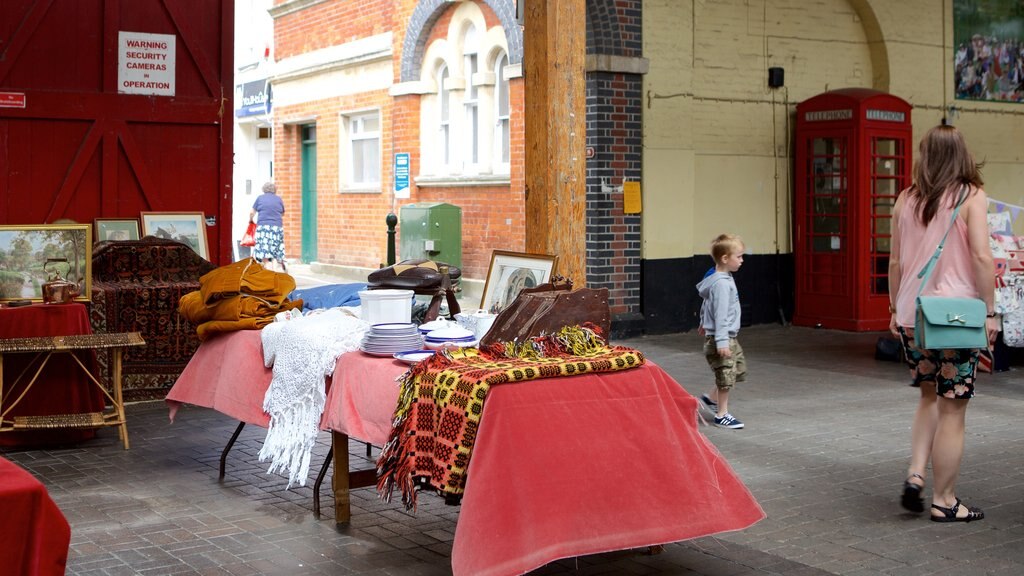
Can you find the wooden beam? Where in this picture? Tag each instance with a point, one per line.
(554, 47)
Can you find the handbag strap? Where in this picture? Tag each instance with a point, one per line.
(926, 272)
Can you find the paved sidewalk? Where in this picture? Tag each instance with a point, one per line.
(824, 451)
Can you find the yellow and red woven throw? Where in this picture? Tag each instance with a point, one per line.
(442, 398)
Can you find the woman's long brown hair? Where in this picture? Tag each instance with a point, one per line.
(943, 165)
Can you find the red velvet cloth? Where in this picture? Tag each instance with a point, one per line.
(34, 535)
(62, 387)
(562, 466)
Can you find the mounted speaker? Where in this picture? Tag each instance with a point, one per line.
(776, 77)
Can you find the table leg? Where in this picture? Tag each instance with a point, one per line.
(122, 428)
(340, 480)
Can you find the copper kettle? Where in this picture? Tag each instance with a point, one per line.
(57, 290)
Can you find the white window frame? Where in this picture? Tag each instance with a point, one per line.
(444, 117)
(502, 123)
(355, 132)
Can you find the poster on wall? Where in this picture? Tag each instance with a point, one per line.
(145, 63)
(988, 50)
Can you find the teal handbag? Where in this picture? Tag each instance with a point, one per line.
(948, 323)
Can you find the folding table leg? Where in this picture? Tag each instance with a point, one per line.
(320, 480)
(224, 454)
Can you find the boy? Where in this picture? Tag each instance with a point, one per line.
(720, 323)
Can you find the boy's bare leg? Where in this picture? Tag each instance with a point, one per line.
(723, 402)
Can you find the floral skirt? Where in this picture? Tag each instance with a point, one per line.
(269, 243)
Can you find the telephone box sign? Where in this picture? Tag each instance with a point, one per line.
(827, 115)
(886, 115)
(145, 63)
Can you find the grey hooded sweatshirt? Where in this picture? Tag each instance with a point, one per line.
(720, 312)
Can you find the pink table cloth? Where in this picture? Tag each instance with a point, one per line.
(562, 467)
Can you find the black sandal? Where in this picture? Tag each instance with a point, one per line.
(949, 514)
(911, 499)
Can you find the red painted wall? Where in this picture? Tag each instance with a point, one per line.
(79, 150)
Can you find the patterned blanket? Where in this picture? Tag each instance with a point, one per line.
(442, 398)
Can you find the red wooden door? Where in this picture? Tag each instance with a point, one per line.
(72, 146)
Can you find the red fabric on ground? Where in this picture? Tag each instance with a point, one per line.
(34, 535)
(586, 464)
(62, 387)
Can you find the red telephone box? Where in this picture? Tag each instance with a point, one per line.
(853, 156)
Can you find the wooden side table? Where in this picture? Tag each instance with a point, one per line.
(47, 346)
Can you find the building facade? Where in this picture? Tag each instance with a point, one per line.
(677, 100)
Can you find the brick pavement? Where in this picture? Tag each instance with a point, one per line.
(824, 452)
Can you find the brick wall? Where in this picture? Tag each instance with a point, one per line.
(351, 225)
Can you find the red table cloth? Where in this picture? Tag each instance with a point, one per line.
(562, 466)
(62, 387)
(34, 535)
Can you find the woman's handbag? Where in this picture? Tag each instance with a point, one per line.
(249, 238)
(948, 323)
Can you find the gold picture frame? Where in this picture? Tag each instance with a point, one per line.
(510, 272)
(25, 250)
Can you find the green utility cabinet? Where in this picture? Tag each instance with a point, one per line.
(431, 230)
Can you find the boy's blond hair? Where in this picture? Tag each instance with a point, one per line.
(724, 245)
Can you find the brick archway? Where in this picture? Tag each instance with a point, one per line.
(422, 22)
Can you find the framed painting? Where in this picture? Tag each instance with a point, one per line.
(116, 229)
(30, 255)
(186, 227)
(509, 273)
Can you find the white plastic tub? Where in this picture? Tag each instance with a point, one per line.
(386, 306)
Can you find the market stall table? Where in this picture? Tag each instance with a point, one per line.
(62, 388)
(34, 536)
(562, 466)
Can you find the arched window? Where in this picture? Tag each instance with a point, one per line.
(502, 144)
(444, 101)
(471, 100)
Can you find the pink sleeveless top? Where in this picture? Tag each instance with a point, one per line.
(953, 274)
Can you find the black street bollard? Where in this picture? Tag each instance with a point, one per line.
(391, 221)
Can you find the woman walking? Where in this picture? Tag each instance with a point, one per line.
(268, 213)
(946, 180)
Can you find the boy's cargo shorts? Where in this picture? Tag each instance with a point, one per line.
(728, 371)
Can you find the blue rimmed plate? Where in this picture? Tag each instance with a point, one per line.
(413, 356)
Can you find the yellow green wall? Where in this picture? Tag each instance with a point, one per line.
(717, 139)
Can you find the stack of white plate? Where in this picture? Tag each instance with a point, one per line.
(386, 339)
(451, 336)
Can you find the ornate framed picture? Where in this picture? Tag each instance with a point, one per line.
(30, 255)
(116, 229)
(509, 273)
(186, 227)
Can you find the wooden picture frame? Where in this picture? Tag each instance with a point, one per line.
(510, 272)
(25, 249)
(186, 227)
(116, 229)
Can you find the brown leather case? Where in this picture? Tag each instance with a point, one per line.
(547, 309)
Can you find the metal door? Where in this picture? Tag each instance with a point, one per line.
(309, 222)
(73, 146)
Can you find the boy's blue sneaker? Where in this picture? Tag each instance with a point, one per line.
(728, 421)
(709, 404)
